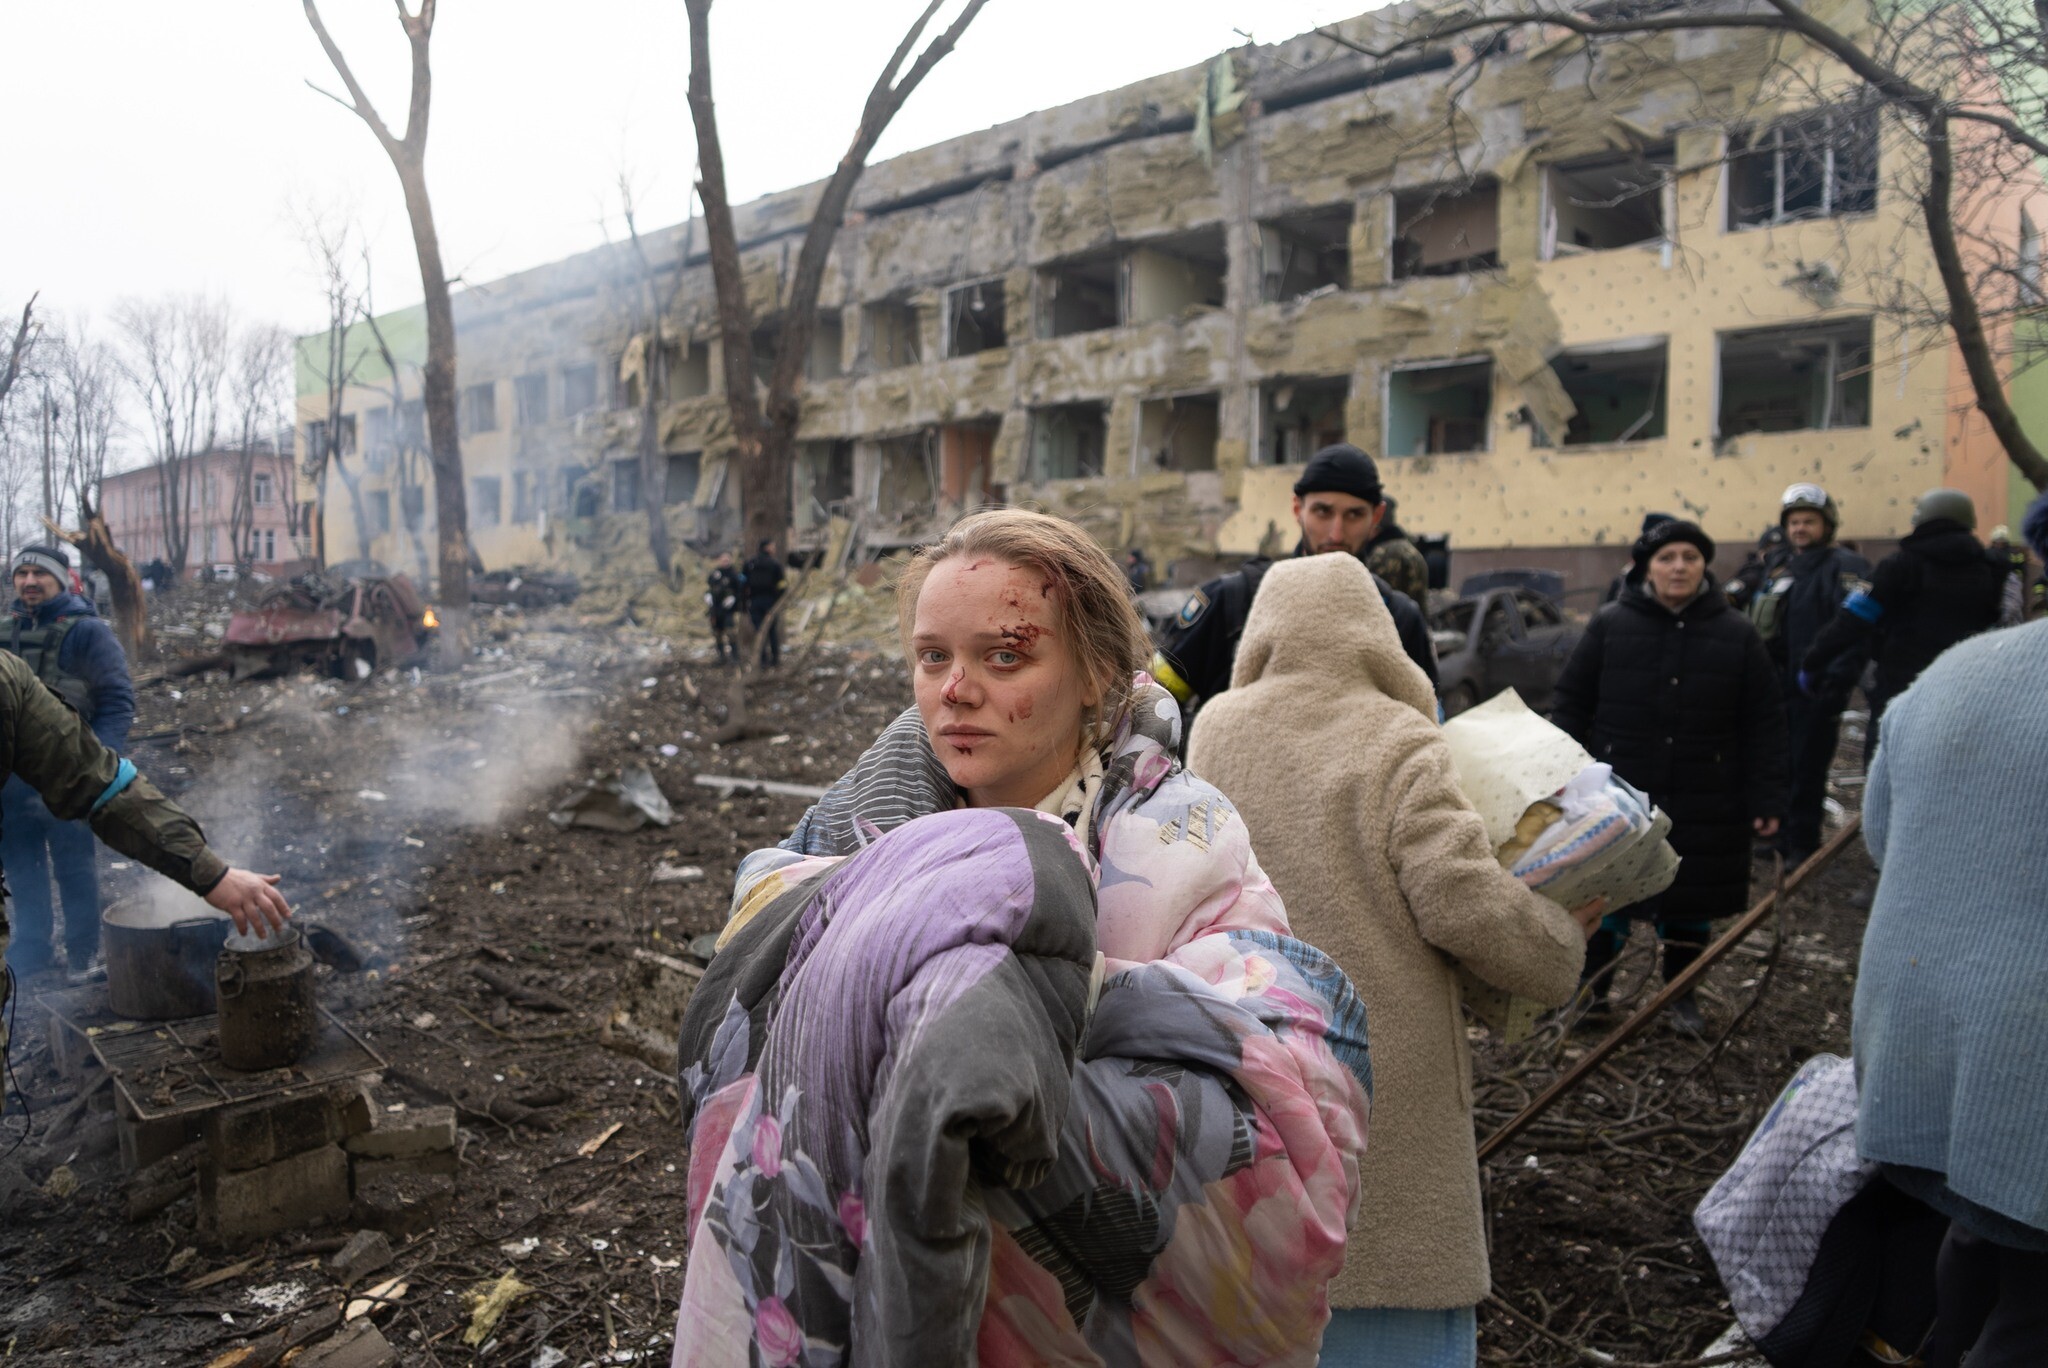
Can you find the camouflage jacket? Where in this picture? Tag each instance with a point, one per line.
(56, 754)
(1397, 561)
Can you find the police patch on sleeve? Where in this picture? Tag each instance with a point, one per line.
(1197, 604)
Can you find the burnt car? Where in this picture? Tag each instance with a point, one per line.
(347, 628)
(1504, 631)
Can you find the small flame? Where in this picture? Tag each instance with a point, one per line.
(430, 619)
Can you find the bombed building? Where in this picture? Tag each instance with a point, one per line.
(1550, 287)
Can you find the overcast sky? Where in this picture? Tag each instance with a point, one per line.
(158, 147)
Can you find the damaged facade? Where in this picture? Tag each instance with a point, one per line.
(1603, 285)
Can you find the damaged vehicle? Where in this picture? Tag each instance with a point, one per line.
(347, 628)
(1505, 630)
(524, 587)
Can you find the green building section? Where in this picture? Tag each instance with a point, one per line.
(2029, 390)
(404, 332)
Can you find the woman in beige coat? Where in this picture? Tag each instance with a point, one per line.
(1327, 742)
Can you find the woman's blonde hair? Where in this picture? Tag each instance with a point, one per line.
(1091, 596)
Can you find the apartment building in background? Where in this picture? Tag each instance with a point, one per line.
(1658, 287)
(279, 537)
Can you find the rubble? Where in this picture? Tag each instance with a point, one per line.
(366, 1252)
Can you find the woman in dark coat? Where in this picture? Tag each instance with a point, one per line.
(1675, 690)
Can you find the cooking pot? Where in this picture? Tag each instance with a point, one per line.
(160, 956)
(268, 1018)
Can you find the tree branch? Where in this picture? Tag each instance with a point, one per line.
(362, 108)
(20, 348)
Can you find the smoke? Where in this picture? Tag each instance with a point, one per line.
(355, 793)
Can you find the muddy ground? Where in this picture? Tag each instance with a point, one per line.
(411, 815)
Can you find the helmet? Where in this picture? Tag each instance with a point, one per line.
(1952, 504)
(1808, 496)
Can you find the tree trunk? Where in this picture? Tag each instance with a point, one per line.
(96, 544)
(444, 439)
(1965, 320)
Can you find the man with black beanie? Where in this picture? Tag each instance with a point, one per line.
(1339, 505)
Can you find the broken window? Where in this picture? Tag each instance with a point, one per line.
(827, 340)
(412, 506)
(380, 516)
(626, 486)
(824, 480)
(526, 490)
(1599, 203)
(530, 394)
(891, 335)
(480, 409)
(412, 424)
(1084, 294)
(1067, 441)
(1439, 408)
(1170, 276)
(1446, 230)
(974, 318)
(1795, 379)
(689, 370)
(1619, 390)
(582, 496)
(966, 463)
(486, 500)
(1178, 432)
(579, 389)
(1814, 165)
(685, 469)
(1306, 253)
(378, 443)
(1298, 418)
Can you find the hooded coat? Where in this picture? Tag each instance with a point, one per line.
(1686, 707)
(1389, 872)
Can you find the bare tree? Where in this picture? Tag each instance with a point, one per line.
(259, 387)
(408, 154)
(331, 439)
(1964, 79)
(175, 356)
(18, 350)
(766, 434)
(87, 380)
(406, 454)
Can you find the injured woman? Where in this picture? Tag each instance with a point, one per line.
(1007, 1054)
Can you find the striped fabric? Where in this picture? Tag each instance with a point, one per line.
(895, 779)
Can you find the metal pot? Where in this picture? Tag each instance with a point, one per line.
(267, 1014)
(159, 965)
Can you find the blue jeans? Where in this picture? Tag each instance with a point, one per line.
(1389, 1337)
(33, 846)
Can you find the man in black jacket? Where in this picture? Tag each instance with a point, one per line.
(1792, 605)
(1938, 588)
(766, 581)
(721, 600)
(1339, 505)
(1672, 687)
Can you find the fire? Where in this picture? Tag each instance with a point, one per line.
(430, 618)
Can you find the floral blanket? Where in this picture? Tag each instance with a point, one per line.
(918, 1134)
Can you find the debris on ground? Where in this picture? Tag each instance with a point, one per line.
(627, 801)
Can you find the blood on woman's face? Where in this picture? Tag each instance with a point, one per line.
(1001, 694)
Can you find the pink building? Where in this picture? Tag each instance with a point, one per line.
(280, 535)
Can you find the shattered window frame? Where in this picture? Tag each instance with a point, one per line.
(1659, 161)
(479, 408)
(486, 501)
(1407, 214)
(1044, 421)
(1271, 447)
(1833, 154)
(1277, 237)
(1081, 270)
(960, 312)
(579, 389)
(1653, 424)
(626, 494)
(1145, 460)
(891, 335)
(380, 512)
(1837, 398)
(530, 398)
(1482, 362)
